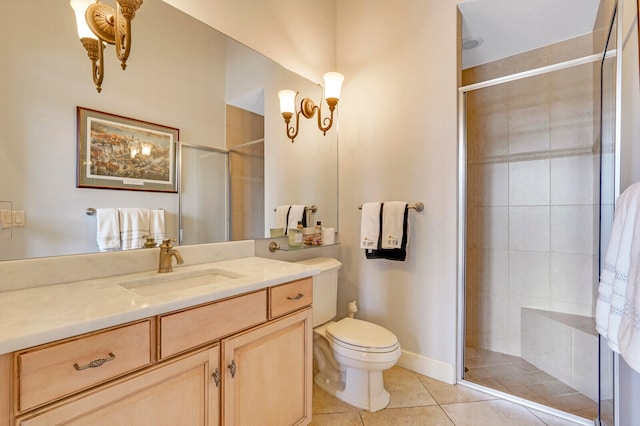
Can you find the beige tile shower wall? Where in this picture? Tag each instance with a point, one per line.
(246, 170)
(530, 196)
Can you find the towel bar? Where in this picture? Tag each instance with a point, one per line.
(92, 212)
(313, 208)
(417, 206)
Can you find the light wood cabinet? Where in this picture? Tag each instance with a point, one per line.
(80, 363)
(188, 329)
(267, 378)
(245, 360)
(179, 392)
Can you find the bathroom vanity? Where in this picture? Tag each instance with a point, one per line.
(236, 350)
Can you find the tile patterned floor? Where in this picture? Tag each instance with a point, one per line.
(419, 400)
(515, 376)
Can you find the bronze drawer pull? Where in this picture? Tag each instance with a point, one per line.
(298, 297)
(96, 363)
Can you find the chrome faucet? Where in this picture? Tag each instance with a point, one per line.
(166, 252)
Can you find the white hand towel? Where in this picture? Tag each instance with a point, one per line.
(108, 229)
(622, 257)
(281, 217)
(393, 224)
(624, 318)
(157, 229)
(134, 227)
(370, 225)
(295, 215)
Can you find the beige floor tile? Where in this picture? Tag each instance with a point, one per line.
(409, 416)
(490, 382)
(526, 392)
(445, 393)
(337, 419)
(405, 389)
(324, 403)
(494, 413)
(571, 403)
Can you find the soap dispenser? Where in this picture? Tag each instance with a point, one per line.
(295, 236)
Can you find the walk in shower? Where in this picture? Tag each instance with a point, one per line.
(536, 149)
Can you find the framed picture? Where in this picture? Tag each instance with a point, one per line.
(116, 152)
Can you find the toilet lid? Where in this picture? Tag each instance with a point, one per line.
(361, 335)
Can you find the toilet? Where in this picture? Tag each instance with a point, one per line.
(351, 354)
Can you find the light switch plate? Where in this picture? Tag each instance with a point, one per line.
(19, 218)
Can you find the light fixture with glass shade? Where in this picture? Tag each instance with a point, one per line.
(99, 23)
(330, 93)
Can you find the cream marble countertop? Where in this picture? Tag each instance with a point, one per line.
(45, 314)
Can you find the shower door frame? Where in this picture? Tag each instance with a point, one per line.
(462, 210)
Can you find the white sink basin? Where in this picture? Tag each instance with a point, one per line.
(173, 281)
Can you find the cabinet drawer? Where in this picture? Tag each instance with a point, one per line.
(188, 329)
(290, 297)
(52, 372)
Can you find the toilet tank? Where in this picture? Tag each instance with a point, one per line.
(325, 288)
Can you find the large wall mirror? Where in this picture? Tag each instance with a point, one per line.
(181, 73)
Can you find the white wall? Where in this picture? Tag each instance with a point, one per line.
(398, 141)
(397, 135)
(300, 35)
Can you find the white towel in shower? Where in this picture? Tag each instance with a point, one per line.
(617, 306)
(108, 229)
(157, 229)
(393, 226)
(629, 327)
(370, 225)
(134, 227)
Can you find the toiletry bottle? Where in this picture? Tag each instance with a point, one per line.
(317, 234)
(295, 236)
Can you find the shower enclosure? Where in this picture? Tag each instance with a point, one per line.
(536, 174)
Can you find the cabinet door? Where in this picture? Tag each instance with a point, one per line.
(267, 378)
(181, 392)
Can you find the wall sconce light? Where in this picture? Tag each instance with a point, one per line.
(99, 23)
(331, 92)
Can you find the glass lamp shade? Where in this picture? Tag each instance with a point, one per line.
(287, 100)
(333, 85)
(80, 9)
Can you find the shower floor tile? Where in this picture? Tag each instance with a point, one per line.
(513, 375)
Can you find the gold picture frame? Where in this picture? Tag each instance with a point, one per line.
(116, 152)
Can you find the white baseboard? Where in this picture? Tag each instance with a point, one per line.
(428, 367)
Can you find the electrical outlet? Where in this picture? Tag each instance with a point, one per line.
(19, 218)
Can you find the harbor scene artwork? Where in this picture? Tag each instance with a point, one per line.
(122, 153)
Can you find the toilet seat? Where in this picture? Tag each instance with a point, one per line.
(361, 336)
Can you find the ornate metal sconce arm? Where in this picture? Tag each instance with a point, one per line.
(95, 52)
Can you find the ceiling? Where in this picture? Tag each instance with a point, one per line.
(508, 27)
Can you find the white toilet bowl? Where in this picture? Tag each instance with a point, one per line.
(351, 355)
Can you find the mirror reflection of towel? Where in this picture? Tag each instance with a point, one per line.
(134, 227)
(297, 214)
(282, 217)
(157, 225)
(108, 229)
